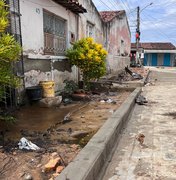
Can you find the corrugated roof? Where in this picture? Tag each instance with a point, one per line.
(72, 5)
(155, 46)
(110, 15)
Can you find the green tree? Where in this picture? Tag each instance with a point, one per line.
(89, 57)
(9, 52)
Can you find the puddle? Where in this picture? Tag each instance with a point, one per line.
(36, 119)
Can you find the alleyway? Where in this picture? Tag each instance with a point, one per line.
(156, 158)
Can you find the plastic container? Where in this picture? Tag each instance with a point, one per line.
(48, 88)
(34, 93)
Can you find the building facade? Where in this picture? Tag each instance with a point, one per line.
(157, 54)
(49, 27)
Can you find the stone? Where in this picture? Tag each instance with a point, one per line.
(51, 165)
(28, 176)
(50, 102)
(54, 154)
(79, 134)
(39, 165)
(59, 169)
(55, 175)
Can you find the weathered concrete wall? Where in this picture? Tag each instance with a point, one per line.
(92, 16)
(118, 44)
(116, 63)
(37, 67)
(32, 23)
(40, 70)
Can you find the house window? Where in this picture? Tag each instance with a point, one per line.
(54, 34)
(122, 47)
(90, 30)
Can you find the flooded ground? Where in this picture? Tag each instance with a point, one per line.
(45, 128)
(56, 138)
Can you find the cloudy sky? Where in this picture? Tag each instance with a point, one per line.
(158, 21)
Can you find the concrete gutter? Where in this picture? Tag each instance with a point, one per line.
(93, 158)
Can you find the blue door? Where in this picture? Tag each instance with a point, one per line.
(145, 59)
(154, 59)
(166, 60)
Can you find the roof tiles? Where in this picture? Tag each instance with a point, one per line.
(109, 15)
(155, 46)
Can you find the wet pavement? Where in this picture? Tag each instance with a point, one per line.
(155, 159)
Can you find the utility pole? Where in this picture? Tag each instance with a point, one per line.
(138, 36)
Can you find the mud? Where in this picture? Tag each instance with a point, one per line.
(45, 128)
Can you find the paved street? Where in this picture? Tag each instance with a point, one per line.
(156, 158)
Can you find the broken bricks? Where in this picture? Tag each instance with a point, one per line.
(52, 164)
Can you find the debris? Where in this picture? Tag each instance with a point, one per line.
(79, 134)
(67, 118)
(54, 154)
(51, 102)
(52, 164)
(141, 100)
(59, 169)
(70, 130)
(110, 101)
(134, 75)
(62, 161)
(74, 146)
(28, 176)
(28, 145)
(67, 101)
(140, 138)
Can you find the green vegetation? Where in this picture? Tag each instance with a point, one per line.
(89, 57)
(9, 53)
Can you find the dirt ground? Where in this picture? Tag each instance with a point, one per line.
(59, 132)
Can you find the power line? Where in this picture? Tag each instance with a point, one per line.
(161, 31)
(105, 5)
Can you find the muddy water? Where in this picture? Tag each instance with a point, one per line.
(34, 118)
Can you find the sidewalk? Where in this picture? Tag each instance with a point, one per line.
(156, 158)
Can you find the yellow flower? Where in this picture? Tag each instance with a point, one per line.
(82, 56)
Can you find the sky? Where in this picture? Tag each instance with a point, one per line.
(157, 21)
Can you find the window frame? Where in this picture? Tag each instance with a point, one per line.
(88, 25)
(55, 38)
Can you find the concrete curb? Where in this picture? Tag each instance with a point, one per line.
(91, 159)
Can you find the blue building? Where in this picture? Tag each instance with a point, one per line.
(156, 54)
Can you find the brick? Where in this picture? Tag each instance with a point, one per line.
(59, 169)
(52, 164)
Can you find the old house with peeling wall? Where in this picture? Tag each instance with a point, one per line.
(117, 39)
(49, 27)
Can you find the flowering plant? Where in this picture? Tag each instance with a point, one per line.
(89, 57)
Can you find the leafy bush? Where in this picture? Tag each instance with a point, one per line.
(89, 57)
(9, 53)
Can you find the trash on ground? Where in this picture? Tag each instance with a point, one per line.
(110, 101)
(134, 75)
(141, 100)
(67, 118)
(140, 137)
(26, 144)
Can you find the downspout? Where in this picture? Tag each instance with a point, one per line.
(77, 38)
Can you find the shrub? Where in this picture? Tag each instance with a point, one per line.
(89, 57)
(9, 53)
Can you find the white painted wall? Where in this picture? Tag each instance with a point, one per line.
(32, 23)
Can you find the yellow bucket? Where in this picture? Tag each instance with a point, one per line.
(48, 88)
